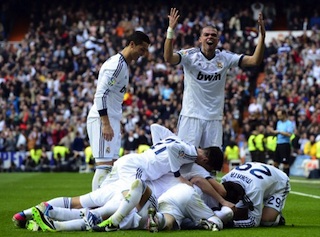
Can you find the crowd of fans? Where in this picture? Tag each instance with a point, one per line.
(48, 80)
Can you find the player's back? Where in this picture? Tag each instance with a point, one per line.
(168, 155)
(149, 165)
(255, 177)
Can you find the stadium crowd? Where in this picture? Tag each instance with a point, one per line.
(47, 80)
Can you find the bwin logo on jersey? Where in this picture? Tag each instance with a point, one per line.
(204, 77)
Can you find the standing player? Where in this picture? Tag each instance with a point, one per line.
(103, 122)
(284, 130)
(205, 71)
(266, 189)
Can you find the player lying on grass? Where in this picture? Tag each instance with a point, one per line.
(266, 189)
(179, 202)
(76, 202)
(165, 156)
(110, 195)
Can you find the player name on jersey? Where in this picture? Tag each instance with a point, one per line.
(242, 177)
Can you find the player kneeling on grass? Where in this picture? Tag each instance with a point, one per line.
(266, 189)
(182, 201)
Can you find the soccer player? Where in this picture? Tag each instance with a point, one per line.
(183, 201)
(103, 121)
(177, 203)
(168, 155)
(266, 189)
(205, 71)
(55, 216)
(102, 203)
(284, 130)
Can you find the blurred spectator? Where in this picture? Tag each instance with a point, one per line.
(256, 8)
(35, 154)
(10, 141)
(131, 142)
(259, 142)
(310, 147)
(2, 142)
(77, 145)
(232, 151)
(33, 138)
(315, 20)
(48, 79)
(21, 140)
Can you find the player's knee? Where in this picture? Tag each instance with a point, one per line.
(138, 184)
(225, 214)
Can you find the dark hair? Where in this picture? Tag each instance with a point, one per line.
(235, 192)
(138, 37)
(283, 112)
(209, 26)
(215, 156)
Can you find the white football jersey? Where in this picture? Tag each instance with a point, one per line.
(204, 82)
(260, 182)
(166, 181)
(111, 87)
(166, 156)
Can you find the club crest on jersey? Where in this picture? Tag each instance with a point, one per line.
(112, 82)
(219, 65)
(108, 149)
(181, 153)
(184, 52)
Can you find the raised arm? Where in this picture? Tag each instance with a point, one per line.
(169, 56)
(257, 57)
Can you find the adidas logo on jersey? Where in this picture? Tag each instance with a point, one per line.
(204, 77)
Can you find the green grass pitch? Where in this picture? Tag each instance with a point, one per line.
(22, 190)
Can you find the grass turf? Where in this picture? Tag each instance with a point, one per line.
(22, 190)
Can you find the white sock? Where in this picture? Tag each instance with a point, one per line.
(65, 214)
(161, 220)
(99, 175)
(28, 213)
(131, 200)
(70, 225)
(106, 210)
(57, 202)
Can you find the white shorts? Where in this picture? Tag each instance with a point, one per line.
(182, 201)
(103, 150)
(277, 200)
(199, 132)
(99, 197)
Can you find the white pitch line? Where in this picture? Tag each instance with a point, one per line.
(305, 195)
(307, 181)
